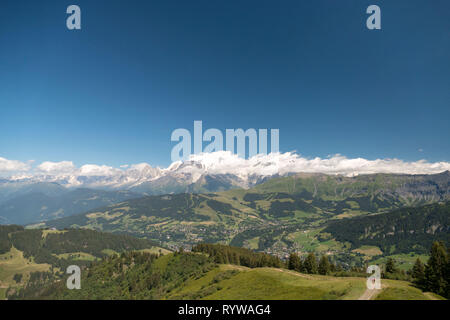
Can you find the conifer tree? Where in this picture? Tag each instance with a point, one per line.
(418, 273)
(294, 262)
(435, 275)
(447, 275)
(324, 265)
(332, 267)
(219, 258)
(310, 264)
(390, 266)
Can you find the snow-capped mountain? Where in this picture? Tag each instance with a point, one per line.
(59, 189)
(207, 172)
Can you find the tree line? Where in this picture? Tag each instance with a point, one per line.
(45, 248)
(238, 256)
(401, 231)
(434, 276)
(311, 265)
(130, 275)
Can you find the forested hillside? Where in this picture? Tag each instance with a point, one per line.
(238, 256)
(198, 275)
(60, 248)
(37, 205)
(277, 217)
(400, 231)
(131, 275)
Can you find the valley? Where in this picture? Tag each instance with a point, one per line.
(300, 213)
(353, 221)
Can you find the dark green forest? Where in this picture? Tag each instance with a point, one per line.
(400, 231)
(238, 256)
(130, 275)
(434, 276)
(43, 249)
(140, 275)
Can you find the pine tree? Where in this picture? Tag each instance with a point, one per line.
(447, 275)
(226, 258)
(301, 267)
(236, 259)
(435, 275)
(332, 267)
(418, 273)
(310, 264)
(294, 262)
(219, 258)
(390, 266)
(324, 265)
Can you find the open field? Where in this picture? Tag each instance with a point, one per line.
(404, 261)
(155, 250)
(77, 256)
(2, 293)
(221, 281)
(233, 282)
(402, 290)
(13, 262)
(369, 250)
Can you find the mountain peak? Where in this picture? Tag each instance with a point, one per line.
(243, 172)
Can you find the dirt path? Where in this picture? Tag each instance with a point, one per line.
(431, 296)
(369, 294)
(294, 273)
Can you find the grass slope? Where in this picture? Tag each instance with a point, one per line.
(13, 262)
(228, 282)
(195, 276)
(402, 290)
(26, 251)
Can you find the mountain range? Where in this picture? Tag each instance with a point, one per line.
(353, 220)
(277, 216)
(41, 204)
(60, 190)
(220, 170)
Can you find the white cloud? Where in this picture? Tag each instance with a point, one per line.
(95, 170)
(53, 168)
(13, 165)
(221, 162)
(224, 162)
(140, 166)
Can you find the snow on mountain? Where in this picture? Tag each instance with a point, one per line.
(223, 167)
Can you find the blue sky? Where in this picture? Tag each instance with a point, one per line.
(113, 92)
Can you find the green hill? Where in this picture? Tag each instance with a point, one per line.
(399, 231)
(47, 253)
(135, 275)
(228, 282)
